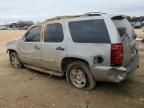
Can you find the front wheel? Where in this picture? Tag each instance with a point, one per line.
(79, 75)
(15, 61)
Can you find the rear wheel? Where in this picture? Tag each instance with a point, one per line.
(14, 60)
(79, 75)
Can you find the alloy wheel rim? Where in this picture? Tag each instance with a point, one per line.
(78, 78)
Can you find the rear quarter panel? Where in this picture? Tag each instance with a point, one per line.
(113, 33)
(87, 51)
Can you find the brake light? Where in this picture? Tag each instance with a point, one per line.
(116, 54)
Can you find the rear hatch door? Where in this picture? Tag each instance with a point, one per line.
(127, 35)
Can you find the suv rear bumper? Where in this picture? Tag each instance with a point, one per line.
(115, 74)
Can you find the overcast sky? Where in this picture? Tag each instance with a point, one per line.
(43, 9)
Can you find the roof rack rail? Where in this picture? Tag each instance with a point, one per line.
(86, 14)
(62, 17)
(93, 14)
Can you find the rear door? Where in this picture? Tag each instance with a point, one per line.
(53, 47)
(126, 32)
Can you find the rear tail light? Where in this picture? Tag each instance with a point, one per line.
(116, 54)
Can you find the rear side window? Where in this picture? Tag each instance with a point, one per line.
(89, 31)
(54, 33)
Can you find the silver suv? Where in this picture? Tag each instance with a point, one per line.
(84, 48)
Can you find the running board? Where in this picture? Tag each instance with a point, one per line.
(44, 70)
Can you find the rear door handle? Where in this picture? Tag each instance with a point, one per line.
(37, 47)
(60, 48)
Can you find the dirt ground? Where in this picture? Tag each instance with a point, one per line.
(140, 32)
(25, 88)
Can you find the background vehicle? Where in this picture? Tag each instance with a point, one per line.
(86, 48)
(3, 27)
(138, 25)
(23, 25)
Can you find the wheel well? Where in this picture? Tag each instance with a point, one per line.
(10, 51)
(66, 61)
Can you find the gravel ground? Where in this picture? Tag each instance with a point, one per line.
(26, 88)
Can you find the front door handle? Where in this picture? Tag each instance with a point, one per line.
(37, 47)
(60, 48)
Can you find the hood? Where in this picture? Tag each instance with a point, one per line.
(13, 41)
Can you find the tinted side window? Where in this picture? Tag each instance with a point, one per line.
(89, 31)
(54, 33)
(33, 35)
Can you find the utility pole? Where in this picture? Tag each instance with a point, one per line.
(5, 22)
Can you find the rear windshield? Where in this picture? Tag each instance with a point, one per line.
(89, 31)
(124, 28)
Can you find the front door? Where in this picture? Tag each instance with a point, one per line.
(53, 47)
(30, 47)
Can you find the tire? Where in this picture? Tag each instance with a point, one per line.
(81, 70)
(15, 61)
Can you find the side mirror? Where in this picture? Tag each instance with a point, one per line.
(22, 38)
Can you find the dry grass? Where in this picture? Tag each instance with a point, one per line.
(6, 35)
